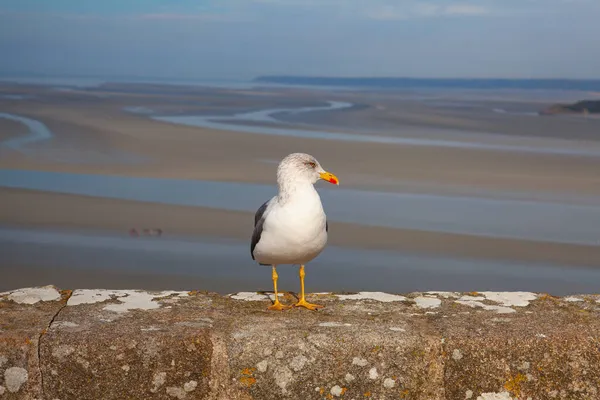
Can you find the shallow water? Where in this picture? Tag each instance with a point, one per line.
(232, 123)
(38, 133)
(506, 218)
(111, 261)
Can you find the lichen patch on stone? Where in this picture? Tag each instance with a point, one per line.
(507, 300)
(510, 299)
(128, 299)
(445, 295)
(283, 376)
(373, 374)
(427, 302)
(336, 391)
(63, 351)
(473, 301)
(262, 366)
(90, 296)
(254, 296)
(152, 328)
(298, 363)
(249, 296)
(14, 378)
(190, 386)
(158, 380)
(377, 296)
(389, 383)
(495, 396)
(457, 355)
(361, 362)
(397, 329)
(333, 324)
(32, 295)
(64, 324)
(176, 392)
(573, 299)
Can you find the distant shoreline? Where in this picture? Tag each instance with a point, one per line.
(435, 83)
(583, 107)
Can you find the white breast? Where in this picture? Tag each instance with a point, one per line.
(293, 232)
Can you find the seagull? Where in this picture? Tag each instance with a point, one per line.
(291, 227)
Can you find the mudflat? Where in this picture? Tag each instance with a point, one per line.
(109, 130)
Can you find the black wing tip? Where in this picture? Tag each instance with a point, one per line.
(260, 212)
(258, 226)
(256, 236)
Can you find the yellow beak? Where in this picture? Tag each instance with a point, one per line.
(329, 177)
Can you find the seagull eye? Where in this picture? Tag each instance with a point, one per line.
(312, 164)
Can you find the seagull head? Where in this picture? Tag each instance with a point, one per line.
(301, 167)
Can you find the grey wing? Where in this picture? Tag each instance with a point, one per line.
(258, 226)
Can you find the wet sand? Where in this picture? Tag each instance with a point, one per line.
(99, 127)
(32, 208)
(77, 258)
(11, 129)
(95, 135)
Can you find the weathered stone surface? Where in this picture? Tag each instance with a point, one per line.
(177, 345)
(551, 350)
(24, 317)
(136, 345)
(348, 349)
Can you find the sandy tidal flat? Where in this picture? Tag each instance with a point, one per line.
(102, 131)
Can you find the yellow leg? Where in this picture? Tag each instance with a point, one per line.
(302, 302)
(277, 306)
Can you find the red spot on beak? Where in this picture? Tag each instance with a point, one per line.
(332, 180)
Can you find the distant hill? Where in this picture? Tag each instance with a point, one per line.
(439, 83)
(581, 107)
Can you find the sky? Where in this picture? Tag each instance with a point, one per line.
(241, 39)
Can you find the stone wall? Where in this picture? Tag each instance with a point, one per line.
(111, 344)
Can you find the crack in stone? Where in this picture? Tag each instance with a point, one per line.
(39, 342)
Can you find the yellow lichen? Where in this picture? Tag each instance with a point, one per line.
(548, 297)
(248, 380)
(248, 371)
(404, 393)
(513, 385)
(343, 391)
(367, 394)
(322, 391)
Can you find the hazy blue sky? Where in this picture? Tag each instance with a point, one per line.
(244, 38)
